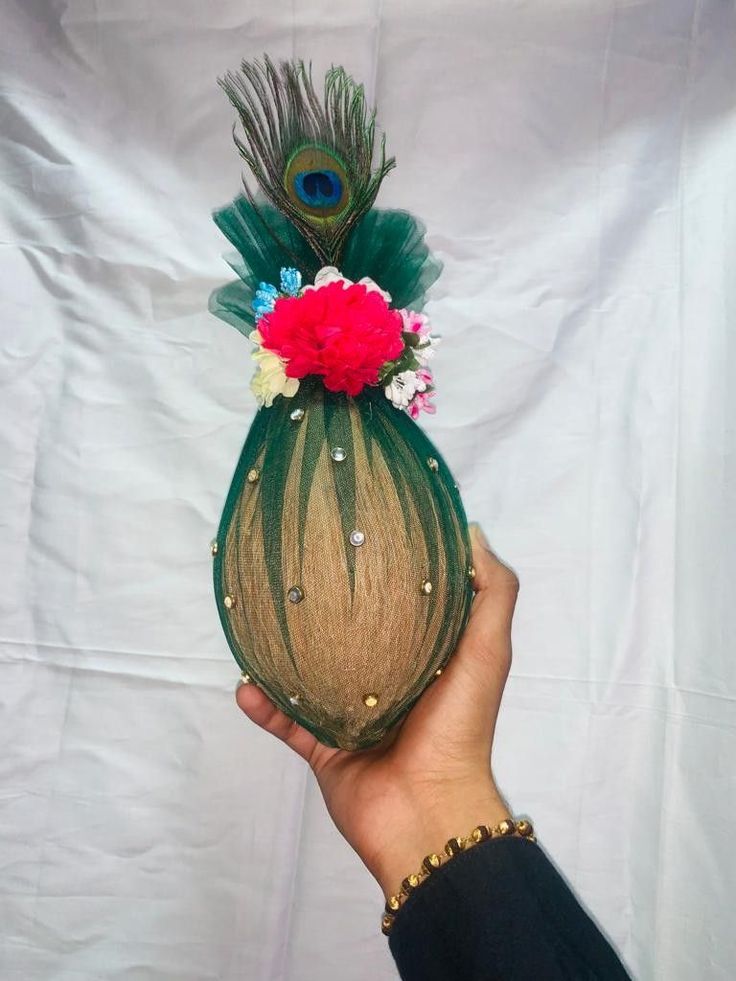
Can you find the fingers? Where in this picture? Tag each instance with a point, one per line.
(494, 579)
(261, 710)
(485, 647)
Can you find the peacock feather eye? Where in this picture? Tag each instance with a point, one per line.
(317, 183)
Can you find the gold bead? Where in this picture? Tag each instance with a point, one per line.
(438, 672)
(410, 882)
(386, 923)
(392, 904)
(229, 602)
(426, 587)
(253, 475)
(471, 571)
(524, 828)
(213, 546)
(370, 700)
(245, 678)
(480, 833)
(454, 846)
(431, 862)
(432, 464)
(506, 828)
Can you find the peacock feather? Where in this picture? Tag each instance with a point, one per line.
(312, 159)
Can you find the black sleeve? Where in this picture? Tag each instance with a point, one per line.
(499, 912)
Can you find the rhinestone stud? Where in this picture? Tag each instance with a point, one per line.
(229, 602)
(213, 546)
(471, 571)
(432, 464)
(370, 700)
(426, 587)
(295, 595)
(294, 699)
(253, 475)
(245, 678)
(438, 672)
(357, 538)
(338, 454)
(296, 415)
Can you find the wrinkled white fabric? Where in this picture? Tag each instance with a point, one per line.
(574, 161)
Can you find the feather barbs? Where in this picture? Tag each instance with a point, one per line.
(312, 158)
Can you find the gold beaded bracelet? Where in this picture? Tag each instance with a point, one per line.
(505, 829)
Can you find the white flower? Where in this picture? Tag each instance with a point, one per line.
(331, 274)
(403, 388)
(425, 351)
(270, 378)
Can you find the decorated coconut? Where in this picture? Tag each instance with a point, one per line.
(342, 559)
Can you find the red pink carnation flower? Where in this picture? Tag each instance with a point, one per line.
(345, 333)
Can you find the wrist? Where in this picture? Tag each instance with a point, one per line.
(431, 820)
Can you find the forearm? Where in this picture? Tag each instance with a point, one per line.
(435, 818)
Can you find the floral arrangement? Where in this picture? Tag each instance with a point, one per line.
(345, 332)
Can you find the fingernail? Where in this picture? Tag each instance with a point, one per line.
(480, 535)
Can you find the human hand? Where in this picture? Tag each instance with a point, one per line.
(430, 778)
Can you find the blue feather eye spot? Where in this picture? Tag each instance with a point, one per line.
(316, 182)
(318, 188)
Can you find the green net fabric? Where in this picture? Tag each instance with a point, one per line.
(342, 566)
(387, 246)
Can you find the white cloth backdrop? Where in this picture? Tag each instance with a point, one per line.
(575, 163)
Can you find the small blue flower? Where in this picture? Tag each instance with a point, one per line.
(264, 299)
(291, 281)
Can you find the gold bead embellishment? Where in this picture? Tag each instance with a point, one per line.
(294, 700)
(410, 882)
(431, 862)
(296, 415)
(229, 601)
(471, 572)
(504, 829)
(426, 587)
(213, 547)
(524, 829)
(438, 672)
(370, 700)
(295, 595)
(433, 464)
(254, 475)
(245, 678)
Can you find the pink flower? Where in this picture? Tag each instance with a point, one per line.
(421, 401)
(416, 323)
(425, 376)
(345, 333)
